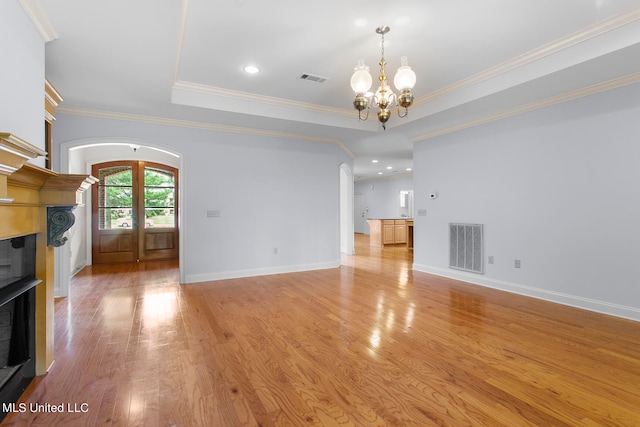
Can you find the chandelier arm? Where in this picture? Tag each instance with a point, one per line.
(366, 117)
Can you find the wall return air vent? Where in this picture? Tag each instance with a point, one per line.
(466, 247)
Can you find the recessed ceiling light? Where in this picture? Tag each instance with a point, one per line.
(379, 173)
(374, 161)
(389, 167)
(408, 169)
(251, 69)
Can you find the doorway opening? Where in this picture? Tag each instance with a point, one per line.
(134, 212)
(346, 210)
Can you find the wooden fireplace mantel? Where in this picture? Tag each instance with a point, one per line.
(23, 186)
(27, 194)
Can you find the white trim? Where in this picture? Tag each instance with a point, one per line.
(7, 170)
(197, 125)
(346, 195)
(39, 19)
(260, 99)
(538, 53)
(603, 307)
(239, 274)
(216, 98)
(554, 100)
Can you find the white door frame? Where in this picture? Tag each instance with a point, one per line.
(346, 210)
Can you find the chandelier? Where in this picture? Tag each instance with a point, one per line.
(384, 98)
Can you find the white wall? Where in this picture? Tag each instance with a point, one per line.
(273, 195)
(382, 201)
(21, 77)
(558, 189)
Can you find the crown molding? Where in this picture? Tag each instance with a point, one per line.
(51, 94)
(52, 99)
(206, 96)
(39, 19)
(15, 152)
(538, 53)
(548, 102)
(261, 99)
(198, 125)
(239, 95)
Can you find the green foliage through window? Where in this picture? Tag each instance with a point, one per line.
(116, 196)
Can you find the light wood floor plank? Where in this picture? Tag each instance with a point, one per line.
(371, 343)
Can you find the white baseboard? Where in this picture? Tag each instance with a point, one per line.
(603, 307)
(238, 274)
(78, 269)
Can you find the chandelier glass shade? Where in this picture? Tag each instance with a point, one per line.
(384, 99)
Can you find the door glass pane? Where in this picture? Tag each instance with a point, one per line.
(159, 198)
(116, 176)
(115, 197)
(116, 218)
(154, 177)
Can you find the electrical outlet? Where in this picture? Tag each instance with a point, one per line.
(490, 259)
(516, 263)
(422, 212)
(213, 213)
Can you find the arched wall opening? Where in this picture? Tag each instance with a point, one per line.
(346, 210)
(77, 157)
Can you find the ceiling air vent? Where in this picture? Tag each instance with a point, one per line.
(313, 78)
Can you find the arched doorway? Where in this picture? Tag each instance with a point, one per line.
(346, 210)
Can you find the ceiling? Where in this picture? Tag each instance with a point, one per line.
(476, 61)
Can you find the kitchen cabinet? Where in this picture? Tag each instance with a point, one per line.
(387, 232)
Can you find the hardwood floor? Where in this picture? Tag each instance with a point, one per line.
(371, 343)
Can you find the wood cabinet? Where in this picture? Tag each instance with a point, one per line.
(400, 231)
(387, 232)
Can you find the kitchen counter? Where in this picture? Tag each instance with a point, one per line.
(390, 231)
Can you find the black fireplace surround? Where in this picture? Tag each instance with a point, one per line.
(17, 318)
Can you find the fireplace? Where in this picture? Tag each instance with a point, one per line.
(36, 207)
(17, 316)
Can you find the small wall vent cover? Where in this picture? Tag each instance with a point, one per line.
(313, 78)
(466, 247)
